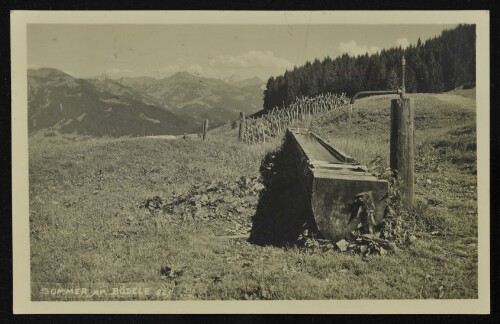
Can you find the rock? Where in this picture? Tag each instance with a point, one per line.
(428, 182)
(342, 245)
(212, 187)
(389, 212)
(440, 292)
(169, 272)
(258, 187)
(217, 279)
(434, 201)
(68, 204)
(200, 213)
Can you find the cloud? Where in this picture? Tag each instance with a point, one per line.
(195, 69)
(251, 59)
(174, 68)
(354, 49)
(117, 71)
(169, 69)
(403, 42)
(248, 64)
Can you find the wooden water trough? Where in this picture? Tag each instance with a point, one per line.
(343, 196)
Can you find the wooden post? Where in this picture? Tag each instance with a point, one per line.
(402, 150)
(242, 125)
(254, 136)
(205, 129)
(263, 131)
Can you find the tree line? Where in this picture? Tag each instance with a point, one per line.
(439, 64)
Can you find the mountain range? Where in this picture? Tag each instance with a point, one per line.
(202, 98)
(137, 105)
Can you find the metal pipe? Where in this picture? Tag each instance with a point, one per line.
(400, 92)
(378, 92)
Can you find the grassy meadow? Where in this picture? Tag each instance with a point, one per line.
(97, 214)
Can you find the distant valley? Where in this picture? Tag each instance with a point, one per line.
(202, 98)
(137, 106)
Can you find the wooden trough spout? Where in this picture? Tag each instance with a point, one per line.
(343, 196)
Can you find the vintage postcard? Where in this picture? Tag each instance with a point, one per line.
(250, 162)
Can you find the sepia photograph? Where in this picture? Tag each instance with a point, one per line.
(306, 158)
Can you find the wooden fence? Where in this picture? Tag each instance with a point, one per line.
(276, 121)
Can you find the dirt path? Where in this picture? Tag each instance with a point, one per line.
(455, 99)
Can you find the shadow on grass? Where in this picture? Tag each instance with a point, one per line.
(283, 212)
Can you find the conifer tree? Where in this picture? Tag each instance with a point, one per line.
(392, 80)
(439, 64)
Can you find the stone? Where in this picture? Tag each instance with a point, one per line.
(342, 245)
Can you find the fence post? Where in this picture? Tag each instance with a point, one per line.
(242, 125)
(402, 150)
(263, 131)
(205, 129)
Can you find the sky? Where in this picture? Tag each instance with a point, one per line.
(86, 50)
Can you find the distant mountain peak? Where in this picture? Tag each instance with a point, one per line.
(254, 81)
(114, 105)
(96, 107)
(183, 74)
(232, 78)
(47, 72)
(102, 77)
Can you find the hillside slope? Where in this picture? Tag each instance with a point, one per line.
(96, 107)
(182, 223)
(202, 98)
